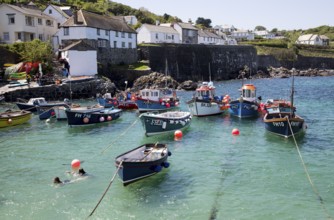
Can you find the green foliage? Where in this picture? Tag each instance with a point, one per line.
(202, 22)
(260, 28)
(31, 51)
(279, 43)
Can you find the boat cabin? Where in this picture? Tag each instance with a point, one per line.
(206, 91)
(248, 92)
(37, 101)
(157, 94)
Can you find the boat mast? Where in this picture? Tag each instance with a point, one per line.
(209, 73)
(292, 93)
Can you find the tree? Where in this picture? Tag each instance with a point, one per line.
(274, 30)
(260, 28)
(203, 22)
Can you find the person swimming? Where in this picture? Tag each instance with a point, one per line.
(81, 172)
(56, 180)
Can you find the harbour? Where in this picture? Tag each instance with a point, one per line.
(212, 174)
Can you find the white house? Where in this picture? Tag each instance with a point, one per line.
(242, 35)
(81, 57)
(106, 31)
(130, 19)
(148, 33)
(313, 39)
(188, 33)
(207, 37)
(225, 28)
(60, 14)
(264, 34)
(25, 24)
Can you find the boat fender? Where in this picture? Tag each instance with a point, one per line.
(169, 153)
(158, 168)
(85, 120)
(164, 124)
(165, 164)
(109, 118)
(102, 119)
(162, 103)
(9, 121)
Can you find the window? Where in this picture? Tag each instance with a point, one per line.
(19, 36)
(31, 36)
(123, 44)
(172, 37)
(107, 33)
(50, 11)
(130, 45)
(101, 43)
(66, 31)
(156, 36)
(129, 35)
(115, 44)
(11, 19)
(30, 21)
(6, 36)
(123, 35)
(116, 33)
(40, 36)
(39, 21)
(49, 23)
(98, 31)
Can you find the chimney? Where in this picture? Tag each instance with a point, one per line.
(75, 15)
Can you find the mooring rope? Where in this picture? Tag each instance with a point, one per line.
(307, 173)
(123, 133)
(105, 192)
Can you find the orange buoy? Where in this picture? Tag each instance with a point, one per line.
(86, 120)
(167, 105)
(235, 131)
(75, 164)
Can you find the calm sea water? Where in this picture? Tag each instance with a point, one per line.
(213, 175)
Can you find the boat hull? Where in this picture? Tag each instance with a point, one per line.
(148, 105)
(204, 108)
(167, 122)
(45, 112)
(12, 118)
(142, 162)
(243, 109)
(280, 125)
(78, 118)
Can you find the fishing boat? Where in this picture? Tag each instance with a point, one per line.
(60, 111)
(76, 117)
(11, 118)
(274, 104)
(165, 122)
(205, 102)
(141, 162)
(125, 103)
(31, 104)
(156, 100)
(284, 123)
(45, 112)
(246, 105)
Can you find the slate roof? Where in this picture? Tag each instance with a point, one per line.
(205, 33)
(29, 11)
(89, 19)
(160, 29)
(79, 46)
(187, 26)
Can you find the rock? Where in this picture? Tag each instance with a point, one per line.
(154, 80)
(188, 85)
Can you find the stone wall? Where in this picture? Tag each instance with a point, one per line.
(87, 89)
(199, 62)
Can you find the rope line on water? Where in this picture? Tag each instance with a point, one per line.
(307, 173)
(105, 192)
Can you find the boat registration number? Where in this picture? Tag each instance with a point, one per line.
(205, 104)
(156, 122)
(79, 115)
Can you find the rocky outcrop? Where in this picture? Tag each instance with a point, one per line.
(154, 80)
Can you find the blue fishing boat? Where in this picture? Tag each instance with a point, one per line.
(31, 104)
(165, 122)
(142, 162)
(45, 112)
(156, 100)
(246, 106)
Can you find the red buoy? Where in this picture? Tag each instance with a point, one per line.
(178, 134)
(75, 164)
(235, 131)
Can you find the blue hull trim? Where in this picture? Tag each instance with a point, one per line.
(243, 109)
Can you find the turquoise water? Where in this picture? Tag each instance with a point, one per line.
(213, 175)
